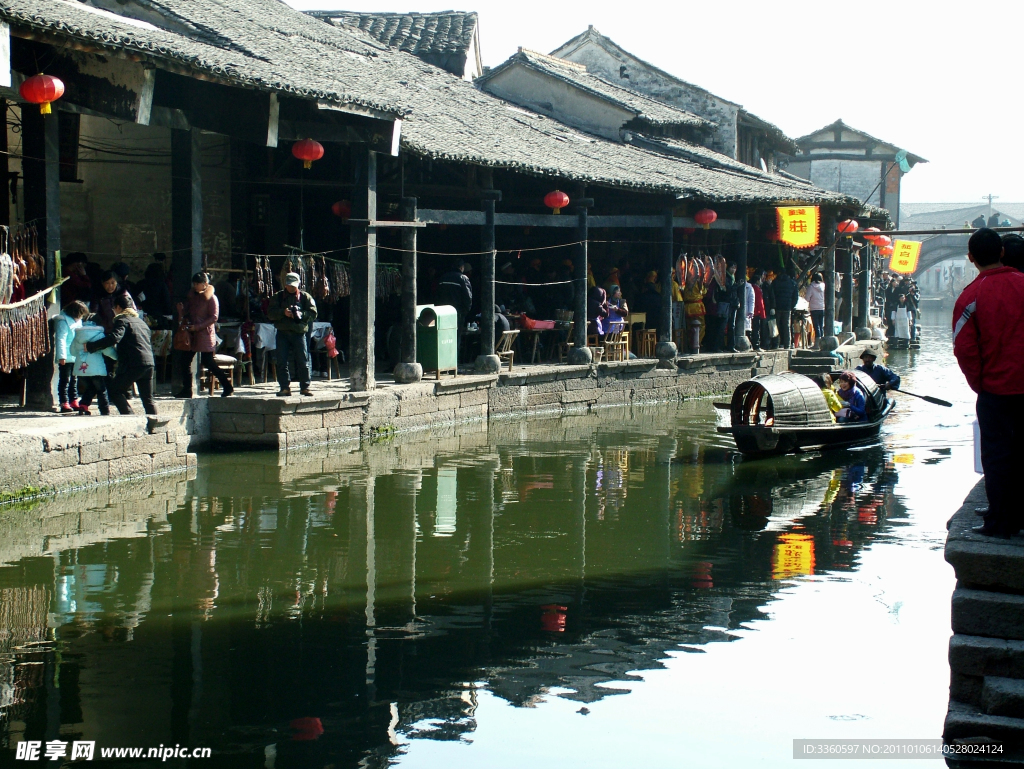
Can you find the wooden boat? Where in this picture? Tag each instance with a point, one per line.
(779, 413)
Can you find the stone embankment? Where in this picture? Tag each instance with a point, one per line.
(986, 652)
(45, 453)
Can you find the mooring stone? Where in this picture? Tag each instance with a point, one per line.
(407, 373)
(665, 350)
(580, 356)
(828, 343)
(488, 364)
(863, 334)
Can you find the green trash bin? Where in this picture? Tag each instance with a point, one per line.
(437, 338)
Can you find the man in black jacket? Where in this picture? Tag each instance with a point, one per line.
(455, 290)
(786, 296)
(135, 365)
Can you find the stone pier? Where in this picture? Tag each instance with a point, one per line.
(44, 453)
(986, 652)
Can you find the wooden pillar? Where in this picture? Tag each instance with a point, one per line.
(186, 209)
(830, 283)
(846, 311)
(5, 205)
(41, 166)
(487, 245)
(740, 341)
(579, 354)
(864, 299)
(408, 370)
(363, 256)
(665, 321)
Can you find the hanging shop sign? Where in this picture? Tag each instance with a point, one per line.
(799, 226)
(905, 254)
(793, 556)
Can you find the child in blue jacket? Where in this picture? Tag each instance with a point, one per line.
(64, 327)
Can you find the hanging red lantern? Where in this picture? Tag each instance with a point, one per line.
(867, 233)
(705, 217)
(307, 151)
(882, 240)
(41, 90)
(848, 226)
(342, 209)
(556, 200)
(886, 250)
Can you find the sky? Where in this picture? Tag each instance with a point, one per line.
(912, 73)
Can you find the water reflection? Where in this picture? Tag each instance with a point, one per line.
(332, 607)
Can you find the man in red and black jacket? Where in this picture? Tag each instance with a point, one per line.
(988, 341)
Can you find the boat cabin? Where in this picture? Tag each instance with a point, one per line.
(793, 400)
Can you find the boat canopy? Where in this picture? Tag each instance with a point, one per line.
(793, 400)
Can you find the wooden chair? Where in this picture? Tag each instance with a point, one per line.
(648, 343)
(564, 347)
(616, 342)
(504, 347)
(224, 362)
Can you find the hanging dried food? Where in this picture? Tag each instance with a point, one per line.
(24, 333)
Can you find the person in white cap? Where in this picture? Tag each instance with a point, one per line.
(292, 312)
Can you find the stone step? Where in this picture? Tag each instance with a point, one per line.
(989, 614)
(813, 368)
(977, 656)
(1003, 697)
(983, 562)
(967, 722)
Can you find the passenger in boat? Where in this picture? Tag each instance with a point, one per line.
(834, 404)
(884, 377)
(855, 409)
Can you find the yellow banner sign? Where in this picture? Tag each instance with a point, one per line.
(799, 226)
(905, 254)
(794, 556)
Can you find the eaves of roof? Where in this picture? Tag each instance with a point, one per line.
(839, 125)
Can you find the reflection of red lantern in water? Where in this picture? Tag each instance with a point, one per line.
(702, 575)
(842, 543)
(308, 728)
(553, 618)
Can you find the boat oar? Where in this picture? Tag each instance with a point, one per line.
(929, 398)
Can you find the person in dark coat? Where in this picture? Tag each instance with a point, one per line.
(1013, 251)
(768, 294)
(200, 311)
(455, 290)
(129, 335)
(78, 287)
(649, 301)
(108, 293)
(786, 295)
(979, 222)
(292, 311)
(153, 295)
(884, 377)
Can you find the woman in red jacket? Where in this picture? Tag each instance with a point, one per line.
(758, 323)
(200, 311)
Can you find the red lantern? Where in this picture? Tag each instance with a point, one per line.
(882, 240)
(41, 90)
(307, 151)
(705, 217)
(342, 209)
(556, 200)
(886, 250)
(849, 226)
(870, 237)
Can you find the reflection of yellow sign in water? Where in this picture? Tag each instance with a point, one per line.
(905, 254)
(903, 459)
(798, 226)
(794, 555)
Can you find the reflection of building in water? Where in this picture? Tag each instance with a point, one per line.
(23, 640)
(611, 468)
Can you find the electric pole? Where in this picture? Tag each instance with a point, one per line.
(990, 197)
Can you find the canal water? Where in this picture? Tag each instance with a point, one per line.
(601, 590)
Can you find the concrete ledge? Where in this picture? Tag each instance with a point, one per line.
(979, 561)
(965, 721)
(977, 656)
(984, 613)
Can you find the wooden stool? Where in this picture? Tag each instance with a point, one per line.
(648, 343)
(222, 361)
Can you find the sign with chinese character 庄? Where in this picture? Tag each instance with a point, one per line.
(793, 556)
(905, 254)
(799, 226)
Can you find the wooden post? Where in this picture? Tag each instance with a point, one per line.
(408, 370)
(186, 209)
(5, 206)
(363, 255)
(864, 298)
(740, 341)
(830, 291)
(665, 321)
(579, 354)
(41, 166)
(846, 314)
(487, 278)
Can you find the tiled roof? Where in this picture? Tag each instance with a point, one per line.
(417, 33)
(267, 45)
(644, 107)
(839, 125)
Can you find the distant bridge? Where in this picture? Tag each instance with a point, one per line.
(939, 248)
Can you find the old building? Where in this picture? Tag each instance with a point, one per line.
(447, 39)
(739, 134)
(838, 157)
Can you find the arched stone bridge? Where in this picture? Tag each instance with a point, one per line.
(938, 248)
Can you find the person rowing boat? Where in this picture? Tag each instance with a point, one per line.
(884, 377)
